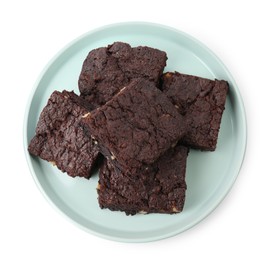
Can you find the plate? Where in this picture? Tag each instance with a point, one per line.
(210, 175)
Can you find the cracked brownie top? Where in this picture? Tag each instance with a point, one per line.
(59, 138)
(159, 189)
(202, 102)
(136, 126)
(106, 70)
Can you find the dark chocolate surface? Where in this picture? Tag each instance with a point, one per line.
(159, 189)
(106, 70)
(136, 126)
(202, 102)
(59, 138)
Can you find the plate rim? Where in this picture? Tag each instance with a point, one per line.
(216, 202)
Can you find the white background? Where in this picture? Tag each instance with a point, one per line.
(239, 32)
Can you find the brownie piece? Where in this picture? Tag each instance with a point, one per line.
(106, 70)
(159, 189)
(136, 126)
(202, 102)
(59, 138)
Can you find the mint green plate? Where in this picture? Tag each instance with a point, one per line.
(210, 175)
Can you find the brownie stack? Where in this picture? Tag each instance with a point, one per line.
(141, 120)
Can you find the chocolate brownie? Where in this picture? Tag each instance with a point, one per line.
(59, 138)
(202, 102)
(159, 189)
(136, 126)
(106, 70)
